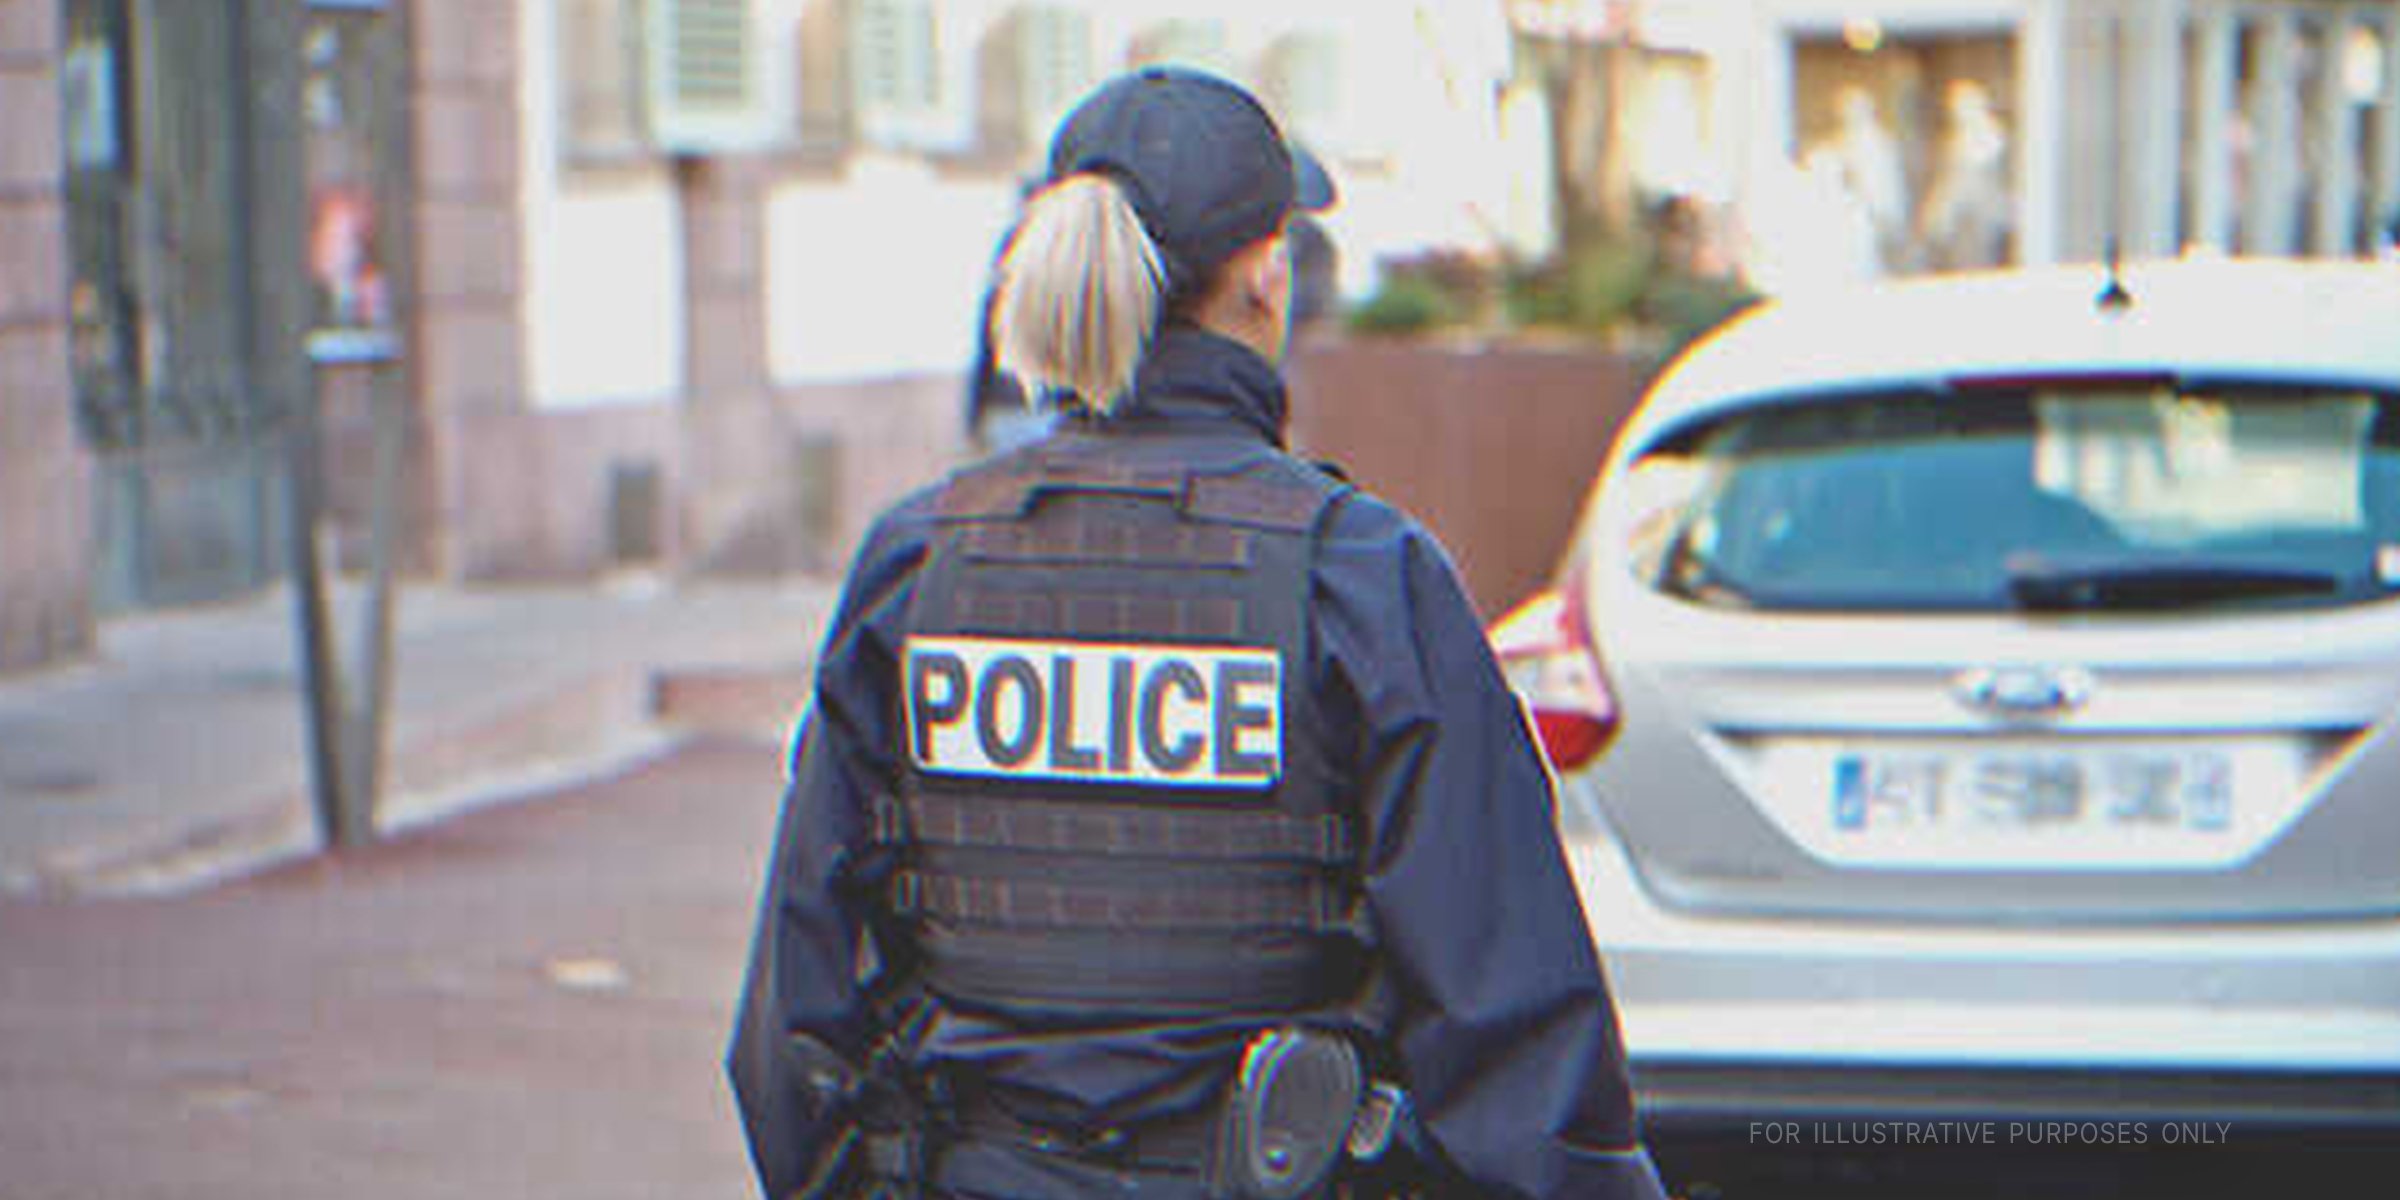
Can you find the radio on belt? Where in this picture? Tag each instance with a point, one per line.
(1193, 716)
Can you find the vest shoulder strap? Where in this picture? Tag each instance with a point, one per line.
(1258, 489)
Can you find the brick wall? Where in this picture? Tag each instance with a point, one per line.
(45, 484)
(870, 444)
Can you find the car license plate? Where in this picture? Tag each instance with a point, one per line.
(2021, 803)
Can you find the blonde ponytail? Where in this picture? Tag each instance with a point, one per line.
(1079, 292)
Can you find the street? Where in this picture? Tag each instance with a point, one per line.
(526, 1000)
(532, 999)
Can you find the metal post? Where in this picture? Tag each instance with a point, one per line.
(2337, 225)
(370, 718)
(2384, 155)
(2213, 213)
(2041, 136)
(277, 302)
(364, 732)
(2273, 107)
(2156, 64)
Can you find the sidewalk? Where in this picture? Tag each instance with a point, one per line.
(531, 999)
(178, 754)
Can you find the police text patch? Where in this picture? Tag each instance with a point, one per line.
(1194, 716)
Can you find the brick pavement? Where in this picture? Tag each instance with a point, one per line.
(529, 999)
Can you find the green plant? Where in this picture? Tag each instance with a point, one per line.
(1602, 285)
(1591, 288)
(1403, 304)
(1432, 290)
(1683, 307)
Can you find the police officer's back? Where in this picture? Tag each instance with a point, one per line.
(1161, 826)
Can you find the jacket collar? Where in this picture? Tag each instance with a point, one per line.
(1192, 380)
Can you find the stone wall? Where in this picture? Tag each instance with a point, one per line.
(739, 497)
(784, 486)
(483, 461)
(45, 473)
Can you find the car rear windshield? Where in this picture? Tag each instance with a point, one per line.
(2075, 494)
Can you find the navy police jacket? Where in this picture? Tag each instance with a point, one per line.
(1505, 1035)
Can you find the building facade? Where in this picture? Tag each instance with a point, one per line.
(674, 285)
(1849, 138)
(689, 286)
(45, 599)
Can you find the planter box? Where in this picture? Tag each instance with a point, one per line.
(1493, 445)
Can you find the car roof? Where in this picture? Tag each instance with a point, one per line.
(2321, 321)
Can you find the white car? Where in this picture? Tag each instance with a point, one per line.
(1973, 699)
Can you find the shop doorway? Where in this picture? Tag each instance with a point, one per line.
(226, 165)
(1918, 134)
(185, 437)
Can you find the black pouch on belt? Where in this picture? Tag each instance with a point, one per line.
(1288, 1115)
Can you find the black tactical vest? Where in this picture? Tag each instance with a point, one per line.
(1116, 800)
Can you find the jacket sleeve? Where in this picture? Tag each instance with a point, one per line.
(1506, 1033)
(811, 958)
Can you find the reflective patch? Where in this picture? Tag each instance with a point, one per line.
(1190, 716)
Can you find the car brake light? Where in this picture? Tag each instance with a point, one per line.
(1545, 647)
(1571, 739)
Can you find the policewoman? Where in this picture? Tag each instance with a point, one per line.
(1162, 827)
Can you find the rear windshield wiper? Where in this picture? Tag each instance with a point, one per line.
(2178, 583)
(1690, 575)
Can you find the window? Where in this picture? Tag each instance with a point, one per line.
(2285, 495)
(1046, 66)
(903, 91)
(706, 91)
(1909, 140)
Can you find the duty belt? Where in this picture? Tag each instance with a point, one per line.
(1173, 1145)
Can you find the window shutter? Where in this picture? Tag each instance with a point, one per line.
(1056, 57)
(905, 91)
(705, 77)
(1043, 65)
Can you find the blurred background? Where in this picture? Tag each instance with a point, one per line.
(689, 284)
(600, 329)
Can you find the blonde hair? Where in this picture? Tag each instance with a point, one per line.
(1079, 292)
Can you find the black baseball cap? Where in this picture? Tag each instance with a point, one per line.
(1204, 165)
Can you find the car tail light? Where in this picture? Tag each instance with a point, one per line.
(1545, 648)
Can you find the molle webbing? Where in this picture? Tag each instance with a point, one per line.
(1067, 827)
(1056, 895)
(1129, 552)
(1297, 905)
(1116, 867)
(1115, 615)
